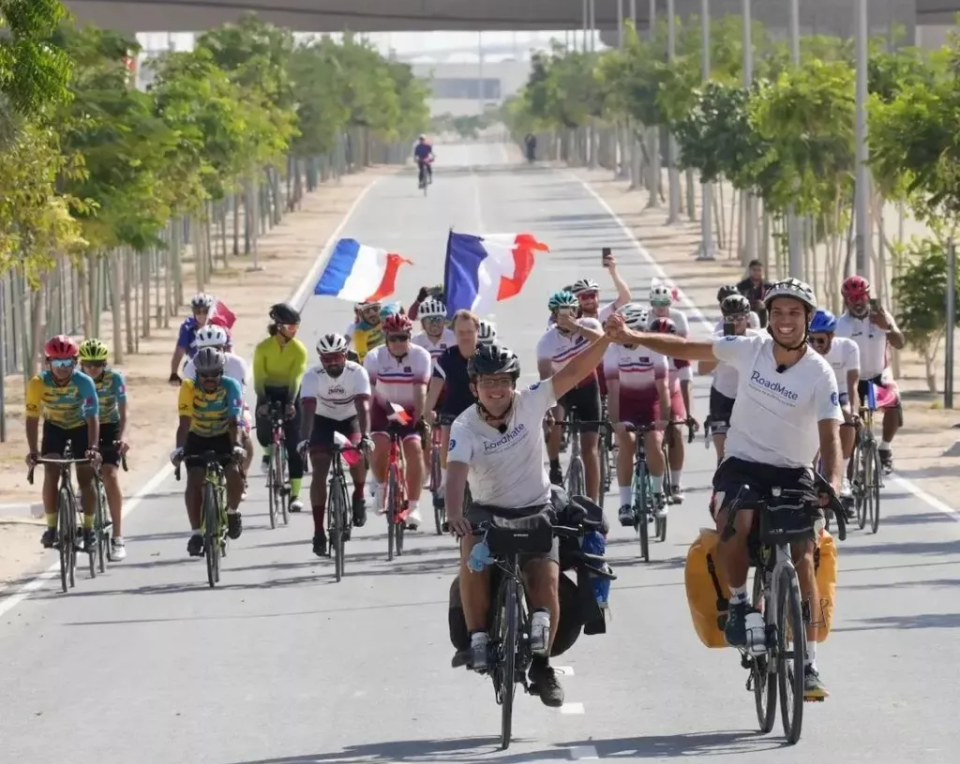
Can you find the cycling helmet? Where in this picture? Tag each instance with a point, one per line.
(823, 321)
(282, 313)
(397, 324)
(93, 350)
(390, 309)
(494, 359)
(60, 346)
(209, 361)
(212, 336)
(330, 344)
(432, 308)
(794, 288)
(856, 289)
(364, 305)
(562, 299)
(663, 326)
(584, 285)
(635, 316)
(487, 333)
(202, 300)
(735, 305)
(661, 295)
(726, 291)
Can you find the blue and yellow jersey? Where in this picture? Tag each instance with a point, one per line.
(66, 406)
(112, 391)
(211, 413)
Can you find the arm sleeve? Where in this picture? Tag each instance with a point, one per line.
(363, 382)
(686, 372)
(185, 400)
(119, 387)
(827, 397)
(438, 371)
(683, 325)
(661, 366)
(461, 444)
(34, 400)
(543, 348)
(259, 370)
(234, 397)
(370, 366)
(186, 335)
(298, 367)
(309, 386)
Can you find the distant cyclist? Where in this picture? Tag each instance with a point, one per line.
(365, 333)
(423, 156)
(203, 312)
(487, 333)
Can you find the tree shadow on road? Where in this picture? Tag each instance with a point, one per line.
(912, 548)
(907, 622)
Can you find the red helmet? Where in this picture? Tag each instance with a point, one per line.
(663, 325)
(856, 289)
(398, 323)
(61, 346)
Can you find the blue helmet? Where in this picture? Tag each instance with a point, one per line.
(823, 321)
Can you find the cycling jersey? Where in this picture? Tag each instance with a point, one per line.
(365, 338)
(435, 349)
(276, 365)
(211, 414)
(451, 367)
(775, 421)
(844, 356)
(560, 349)
(422, 151)
(66, 406)
(187, 335)
(111, 392)
(635, 368)
(725, 376)
(871, 340)
(679, 319)
(395, 378)
(336, 396)
(234, 367)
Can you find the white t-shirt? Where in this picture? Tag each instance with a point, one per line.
(776, 418)
(560, 349)
(844, 356)
(507, 470)
(871, 340)
(435, 349)
(678, 317)
(234, 367)
(636, 368)
(335, 396)
(725, 376)
(396, 378)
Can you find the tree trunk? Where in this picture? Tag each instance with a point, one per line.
(144, 261)
(85, 273)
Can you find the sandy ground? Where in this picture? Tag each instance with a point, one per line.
(929, 430)
(286, 254)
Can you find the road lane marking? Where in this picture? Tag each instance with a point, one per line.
(933, 501)
(564, 670)
(572, 708)
(583, 752)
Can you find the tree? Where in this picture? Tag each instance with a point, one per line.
(319, 81)
(33, 72)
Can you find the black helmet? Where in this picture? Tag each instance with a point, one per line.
(209, 360)
(494, 359)
(282, 313)
(735, 305)
(726, 291)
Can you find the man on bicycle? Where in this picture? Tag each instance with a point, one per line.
(559, 346)
(787, 408)
(423, 156)
(335, 397)
(112, 397)
(399, 372)
(365, 333)
(435, 339)
(637, 381)
(202, 308)
(497, 443)
(679, 375)
(67, 400)
(873, 329)
(210, 406)
(279, 363)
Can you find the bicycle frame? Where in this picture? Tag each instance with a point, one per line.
(398, 507)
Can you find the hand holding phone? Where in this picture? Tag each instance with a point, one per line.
(606, 257)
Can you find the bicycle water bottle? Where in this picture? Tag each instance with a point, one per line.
(756, 632)
(539, 631)
(595, 543)
(479, 557)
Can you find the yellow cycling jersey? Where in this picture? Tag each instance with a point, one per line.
(211, 414)
(279, 365)
(365, 340)
(67, 406)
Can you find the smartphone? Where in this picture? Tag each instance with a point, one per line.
(605, 254)
(729, 328)
(874, 305)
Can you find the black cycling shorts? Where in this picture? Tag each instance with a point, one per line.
(721, 409)
(108, 439)
(54, 440)
(321, 437)
(734, 473)
(197, 445)
(585, 401)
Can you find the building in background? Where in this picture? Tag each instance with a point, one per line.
(457, 90)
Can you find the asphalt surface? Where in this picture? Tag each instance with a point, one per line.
(280, 665)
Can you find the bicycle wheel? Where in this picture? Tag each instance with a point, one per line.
(660, 526)
(273, 493)
(211, 534)
(508, 648)
(392, 511)
(874, 489)
(338, 511)
(641, 495)
(575, 480)
(103, 526)
(604, 472)
(439, 513)
(763, 676)
(791, 653)
(284, 487)
(667, 474)
(65, 511)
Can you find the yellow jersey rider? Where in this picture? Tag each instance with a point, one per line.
(365, 333)
(112, 397)
(279, 363)
(66, 398)
(211, 407)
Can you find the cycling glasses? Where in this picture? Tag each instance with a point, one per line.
(398, 337)
(62, 363)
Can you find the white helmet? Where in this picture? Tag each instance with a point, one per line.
(661, 294)
(202, 300)
(211, 336)
(798, 290)
(584, 285)
(332, 343)
(431, 308)
(634, 315)
(487, 333)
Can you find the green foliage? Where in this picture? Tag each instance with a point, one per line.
(33, 71)
(921, 293)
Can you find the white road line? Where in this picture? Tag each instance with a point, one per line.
(583, 752)
(645, 254)
(299, 297)
(564, 670)
(572, 708)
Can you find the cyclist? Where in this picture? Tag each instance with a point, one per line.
(753, 318)
(787, 408)
(561, 344)
(423, 156)
(753, 287)
(335, 397)
(399, 372)
(67, 400)
(679, 375)
(497, 444)
(487, 333)
(874, 329)
(210, 406)
(435, 338)
(112, 396)
(365, 333)
(450, 383)
(843, 355)
(736, 312)
(279, 363)
(639, 394)
(425, 293)
(201, 307)
(213, 336)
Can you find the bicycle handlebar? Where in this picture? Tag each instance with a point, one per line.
(205, 460)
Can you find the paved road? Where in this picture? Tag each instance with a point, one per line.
(282, 666)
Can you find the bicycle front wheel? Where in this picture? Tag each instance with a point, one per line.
(791, 653)
(273, 493)
(393, 510)
(211, 534)
(641, 496)
(575, 480)
(65, 511)
(284, 486)
(337, 520)
(509, 644)
(874, 492)
(103, 525)
(764, 677)
(436, 475)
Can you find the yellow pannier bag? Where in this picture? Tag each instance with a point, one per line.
(707, 592)
(826, 560)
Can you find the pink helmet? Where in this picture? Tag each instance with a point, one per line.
(61, 346)
(856, 289)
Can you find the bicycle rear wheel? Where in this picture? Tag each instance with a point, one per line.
(642, 508)
(575, 480)
(284, 487)
(509, 639)
(763, 676)
(103, 524)
(65, 510)
(336, 520)
(439, 512)
(604, 471)
(211, 534)
(273, 493)
(661, 528)
(791, 653)
(392, 511)
(874, 492)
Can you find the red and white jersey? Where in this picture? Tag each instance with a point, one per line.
(560, 348)
(435, 349)
(636, 368)
(394, 379)
(335, 396)
(871, 340)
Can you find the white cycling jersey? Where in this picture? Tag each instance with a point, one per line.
(394, 379)
(602, 315)
(234, 367)
(725, 376)
(844, 356)
(560, 349)
(636, 368)
(871, 340)
(435, 349)
(776, 419)
(336, 396)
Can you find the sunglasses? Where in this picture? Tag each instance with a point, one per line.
(62, 363)
(433, 320)
(289, 327)
(333, 357)
(588, 295)
(490, 383)
(661, 303)
(398, 337)
(818, 341)
(210, 374)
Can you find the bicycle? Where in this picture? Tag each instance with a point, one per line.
(436, 476)
(278, 487)
(102, 522)
(575, 480)
(67, 510)
(776, 657)
(642, 491)
(397, 505)
(867, 478)
(213, 524)
(423, 176)
(339, 512)
(608, 456)
(668, 496)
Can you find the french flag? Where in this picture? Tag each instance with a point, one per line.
(359, 273)
(483, 270)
